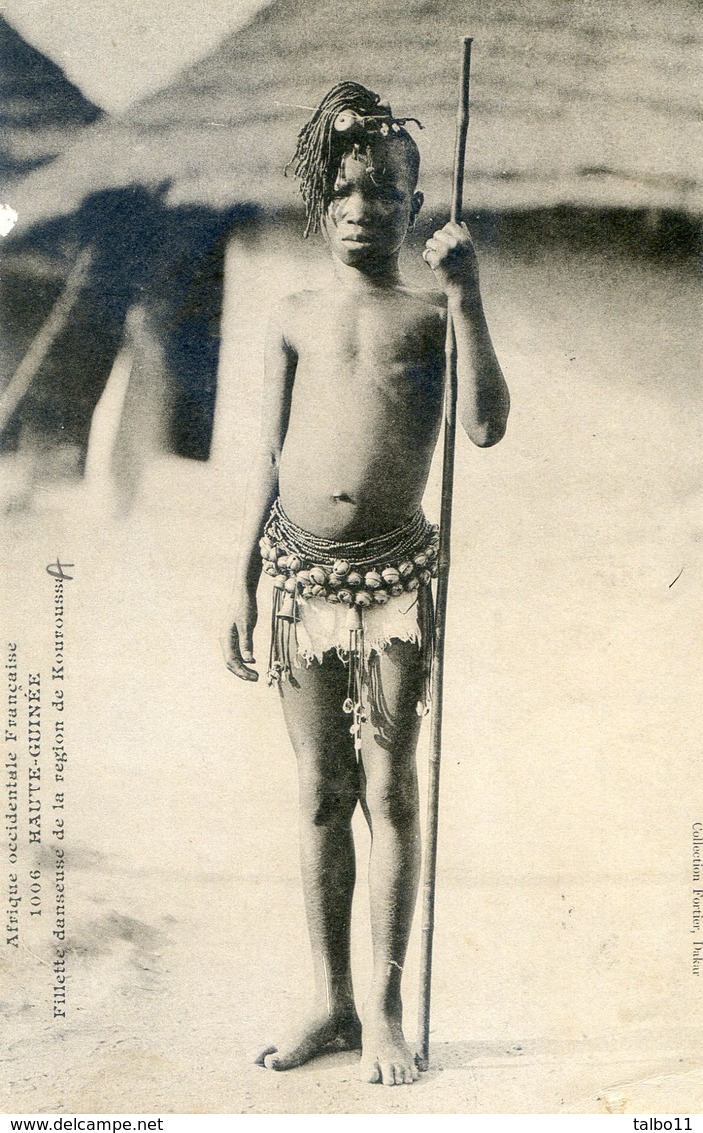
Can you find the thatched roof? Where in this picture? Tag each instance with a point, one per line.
(41, 111)
(573, 102)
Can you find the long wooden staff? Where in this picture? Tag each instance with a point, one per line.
(430, 867)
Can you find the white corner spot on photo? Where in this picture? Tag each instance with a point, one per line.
(8, 219)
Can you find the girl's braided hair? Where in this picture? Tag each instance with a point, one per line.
(321, 147)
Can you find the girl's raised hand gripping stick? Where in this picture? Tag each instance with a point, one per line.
(430, 866)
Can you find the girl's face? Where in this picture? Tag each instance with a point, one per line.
(373, 205)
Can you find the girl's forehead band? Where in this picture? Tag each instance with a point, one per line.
(383, 124)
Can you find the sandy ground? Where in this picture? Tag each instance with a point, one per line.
(571, 774)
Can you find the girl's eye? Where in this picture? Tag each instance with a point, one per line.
(390, 195)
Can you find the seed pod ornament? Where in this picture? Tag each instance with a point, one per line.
(346, 121)
(287, 610)
(353, 619)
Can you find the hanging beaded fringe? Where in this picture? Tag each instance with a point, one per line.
(283, 648)
(284, 641)
(354, 704)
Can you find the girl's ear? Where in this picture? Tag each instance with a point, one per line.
(417, 203)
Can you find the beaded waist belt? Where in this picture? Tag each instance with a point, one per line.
(356, 574)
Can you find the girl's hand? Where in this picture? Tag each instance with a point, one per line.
(451, 255)
(237, 641)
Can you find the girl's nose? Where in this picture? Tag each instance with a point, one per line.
(357, 207)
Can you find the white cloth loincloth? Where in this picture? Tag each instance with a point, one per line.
(323, 626)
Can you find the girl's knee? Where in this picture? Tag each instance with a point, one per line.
(328, 804)
(395, 803)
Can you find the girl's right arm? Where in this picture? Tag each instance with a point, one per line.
(280, 364)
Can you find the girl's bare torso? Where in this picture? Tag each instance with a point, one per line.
(365, 407)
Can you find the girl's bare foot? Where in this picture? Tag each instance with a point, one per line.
(386, 1057)
(321, 1034)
